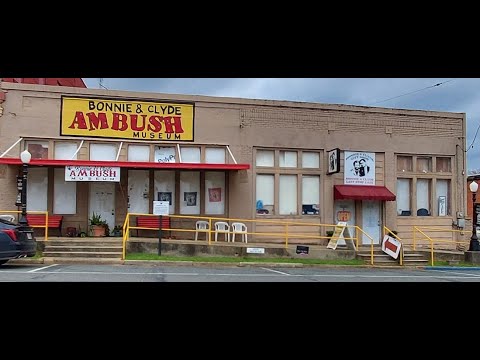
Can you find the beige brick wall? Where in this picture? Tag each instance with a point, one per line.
(33, 111)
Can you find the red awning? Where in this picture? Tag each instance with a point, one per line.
(362, 192)
(127, 164)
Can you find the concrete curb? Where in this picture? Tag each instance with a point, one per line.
(475, 268)
(26, 261)
(100, 261)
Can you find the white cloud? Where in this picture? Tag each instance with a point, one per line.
(459, 95)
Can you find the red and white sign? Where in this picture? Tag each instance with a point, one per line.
(391, 246)
(92, 173)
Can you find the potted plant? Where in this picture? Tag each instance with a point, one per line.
(98, 226)
(117, 231)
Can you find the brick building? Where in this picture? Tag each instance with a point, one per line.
(229, 157)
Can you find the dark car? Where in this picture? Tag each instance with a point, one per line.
(16, 241)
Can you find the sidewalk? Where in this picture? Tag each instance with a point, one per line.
(99, 261)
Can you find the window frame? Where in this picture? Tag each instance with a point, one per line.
(299, 171)
(433, 175)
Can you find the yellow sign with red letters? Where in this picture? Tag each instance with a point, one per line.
(126, 119)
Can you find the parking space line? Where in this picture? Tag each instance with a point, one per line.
(457, 272)
(276, 271)
(42, 268)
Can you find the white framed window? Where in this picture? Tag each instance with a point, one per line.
(103, 152)
(443, 197)
(429, 201)
(279, 193)
(138, 153)
(65, 150)
(265, 194)
(288, 159)
(214, 155)
(64, 193)
(403, 197)
(310, 160)
(214, 193)
(190, 154)
(310, 195)
(287, 201)
(190, 192)
(423, 197)
(265, 158)
(165, 154)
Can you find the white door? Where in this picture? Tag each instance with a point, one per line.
(371, 221)
(138, 182)
(102, 201)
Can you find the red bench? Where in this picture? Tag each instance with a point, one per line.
(152, 222)
(38, 220)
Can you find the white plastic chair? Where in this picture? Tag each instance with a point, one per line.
(222, 228)
(201, 226)
(239, 228)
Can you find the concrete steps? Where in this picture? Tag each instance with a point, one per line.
(410, 257)
(83, 248)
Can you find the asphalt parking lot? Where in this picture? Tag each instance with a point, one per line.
(162, 273)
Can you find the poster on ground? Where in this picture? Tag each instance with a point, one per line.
(391, 246)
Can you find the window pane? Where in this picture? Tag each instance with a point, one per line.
(288, 159)
(288, 195)
(214, 192)
(64, 194)
(310, 160)
(265, 185)
(403, 197)
(164, 154)
(138, 191)
(190, 154)
(265, 158)
(38, 149)
(404, 163)
(165, 187)
(310, 195)
(190, 192)
(37, 189)
(423, 197)
(103, 152)
(215, 155)
(138, 153)
(65, 150)
(443, 197)
(424, 164)
(443, 164)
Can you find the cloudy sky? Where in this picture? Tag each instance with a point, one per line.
(456, 95)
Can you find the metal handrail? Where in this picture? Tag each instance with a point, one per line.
(286, 234)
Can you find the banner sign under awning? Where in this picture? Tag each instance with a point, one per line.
(92, 173)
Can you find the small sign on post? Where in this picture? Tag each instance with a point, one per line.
(160, 208)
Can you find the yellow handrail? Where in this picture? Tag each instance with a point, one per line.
(433, 241)
(32, 212)
(371, 243)
(287, 234)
